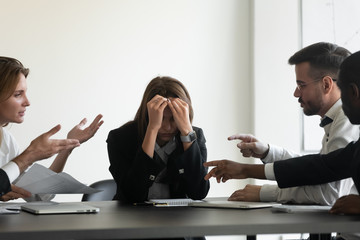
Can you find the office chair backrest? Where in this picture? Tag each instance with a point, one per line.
(109, 189)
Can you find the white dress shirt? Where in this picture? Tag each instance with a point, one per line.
(8, 151)
(337, 135)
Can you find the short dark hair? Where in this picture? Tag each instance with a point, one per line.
(350, 70)
(323, 57)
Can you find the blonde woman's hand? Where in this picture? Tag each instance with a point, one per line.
(43, 147)
(85, 134)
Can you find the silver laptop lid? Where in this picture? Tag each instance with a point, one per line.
(59, 208)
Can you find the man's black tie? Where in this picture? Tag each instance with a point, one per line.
(325, 121)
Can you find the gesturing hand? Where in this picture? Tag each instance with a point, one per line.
(250, 146)
(224, 170)
(180, 111)
(85, 134)
(43, 147)
(155, 109)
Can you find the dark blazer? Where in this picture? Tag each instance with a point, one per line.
(318, 169)
(132, 168)
(5, 186)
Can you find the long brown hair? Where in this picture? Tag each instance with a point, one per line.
(164, 86)
(10, 68)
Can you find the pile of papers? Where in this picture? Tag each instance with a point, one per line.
(41, 180)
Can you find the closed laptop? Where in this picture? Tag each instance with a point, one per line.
(59, 208)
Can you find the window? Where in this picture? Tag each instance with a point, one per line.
(335, 21)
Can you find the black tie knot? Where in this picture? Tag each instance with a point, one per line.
(325, 121)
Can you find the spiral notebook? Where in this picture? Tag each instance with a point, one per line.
(211, 202)
(175, 202)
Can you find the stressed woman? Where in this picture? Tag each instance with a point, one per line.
(159, 155)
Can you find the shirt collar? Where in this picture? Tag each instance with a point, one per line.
(333, 111)
(4, 147)
(165, 150)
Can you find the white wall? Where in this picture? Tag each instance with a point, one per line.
(90, 56)
(277, 113)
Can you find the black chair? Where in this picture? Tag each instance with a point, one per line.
(109, 189)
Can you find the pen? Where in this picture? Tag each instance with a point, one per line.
(149, 204)
(13, 209)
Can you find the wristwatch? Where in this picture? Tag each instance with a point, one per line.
(189, 138)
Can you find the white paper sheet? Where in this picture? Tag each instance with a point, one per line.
(41, 180)
(10, 208)
(301, 208)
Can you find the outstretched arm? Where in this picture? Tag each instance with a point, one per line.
(225, 169)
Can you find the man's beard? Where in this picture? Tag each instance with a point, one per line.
(310, 109)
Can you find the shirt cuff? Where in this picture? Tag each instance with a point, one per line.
(268, 193)
(269, 171)
(12, 170)
(268, 158)
(273, 154)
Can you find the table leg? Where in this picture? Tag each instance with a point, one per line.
(320, 236)
(251, 237)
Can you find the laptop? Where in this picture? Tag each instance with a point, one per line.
(40, 208)
(232, 204)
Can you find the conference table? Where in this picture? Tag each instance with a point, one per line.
(117, 221)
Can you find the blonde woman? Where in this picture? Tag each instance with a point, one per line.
(13, 105)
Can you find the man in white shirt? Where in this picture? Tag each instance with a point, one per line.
(316, 68)
(315, 168)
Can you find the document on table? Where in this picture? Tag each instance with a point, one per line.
(41, 180)
(10, 208)
(232, 204)
(289, 208)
